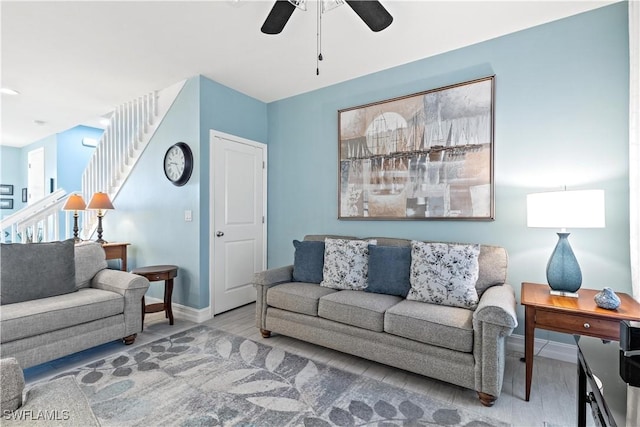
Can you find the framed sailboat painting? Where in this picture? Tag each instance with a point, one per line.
(426, 156)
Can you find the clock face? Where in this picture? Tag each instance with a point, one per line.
(178, 163)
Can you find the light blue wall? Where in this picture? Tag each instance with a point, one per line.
(149, 210)
(10, 174)
(73, 157)
(65, 160)
(72, 160)
(225, 110)
(561, 118)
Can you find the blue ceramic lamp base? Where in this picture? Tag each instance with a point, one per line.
(563, 272)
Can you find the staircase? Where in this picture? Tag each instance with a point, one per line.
(38, 222)
(132, 126)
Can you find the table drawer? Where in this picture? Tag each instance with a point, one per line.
(578, 324)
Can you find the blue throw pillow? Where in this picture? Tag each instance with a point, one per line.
(389, 270)
(308, 261)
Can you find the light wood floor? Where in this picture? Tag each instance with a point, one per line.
(553, 392)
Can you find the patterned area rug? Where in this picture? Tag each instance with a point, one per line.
(206, 377)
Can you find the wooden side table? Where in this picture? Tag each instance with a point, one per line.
(578, 316)
(155, 273)
(116, 251)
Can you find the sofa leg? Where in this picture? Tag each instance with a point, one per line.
(129, 339)
(487, 399)
(265, 333)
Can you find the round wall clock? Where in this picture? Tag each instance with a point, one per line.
(178, 164)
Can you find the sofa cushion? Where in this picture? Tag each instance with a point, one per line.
(389, 268)
(492, 263)
(357, 308)
(346, 263)
(89, 258)
(448, 327)
(308, 261)
(36, 270)
(297, 297)
(444, 273)
(31, 318)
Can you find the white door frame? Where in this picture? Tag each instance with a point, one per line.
(213, 135)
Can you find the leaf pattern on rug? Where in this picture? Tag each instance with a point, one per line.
(274, 359)
(204, 376)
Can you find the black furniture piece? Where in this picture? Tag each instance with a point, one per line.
(612, 404)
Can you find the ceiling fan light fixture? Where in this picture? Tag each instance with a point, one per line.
(328, 5)
(300, 4)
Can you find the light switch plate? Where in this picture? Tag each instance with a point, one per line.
(188, 217)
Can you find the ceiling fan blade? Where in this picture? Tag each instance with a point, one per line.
(372, 13)
(278, 17)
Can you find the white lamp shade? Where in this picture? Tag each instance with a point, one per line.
(566, 209)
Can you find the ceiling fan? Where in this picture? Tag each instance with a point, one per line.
(370, 11)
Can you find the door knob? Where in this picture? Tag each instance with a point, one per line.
(219, 234)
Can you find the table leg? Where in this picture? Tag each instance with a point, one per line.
(167, 300)
(143, 309)
(529, 328)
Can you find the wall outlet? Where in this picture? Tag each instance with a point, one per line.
(188, 216)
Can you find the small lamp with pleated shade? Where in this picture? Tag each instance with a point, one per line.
(101, 202)
(75, 203)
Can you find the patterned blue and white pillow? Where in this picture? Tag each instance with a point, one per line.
(346, 263)
(444, 273)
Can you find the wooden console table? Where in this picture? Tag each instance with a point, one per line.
(117, 251)
(578, 316)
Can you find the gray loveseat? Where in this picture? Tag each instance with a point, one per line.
(457, 345)
(59, 298)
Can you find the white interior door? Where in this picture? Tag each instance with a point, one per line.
(238, 228)
(35, 175)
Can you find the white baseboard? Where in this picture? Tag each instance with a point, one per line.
(545, 348)
(197, 315)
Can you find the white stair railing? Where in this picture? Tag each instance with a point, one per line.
(37, 222)
(132, 126)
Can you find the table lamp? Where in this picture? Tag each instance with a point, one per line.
(75, 203)
(565, 209)
(100, 201)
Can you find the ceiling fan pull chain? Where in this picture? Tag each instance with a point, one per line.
(318, 38)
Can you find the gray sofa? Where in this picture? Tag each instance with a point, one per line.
(59, 298)
(457, 345)
(59, 402)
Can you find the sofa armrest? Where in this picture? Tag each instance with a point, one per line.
(263, 281)
(273, 276)
(132, 287)
(498, 307)
(493, 320)
(11, 384)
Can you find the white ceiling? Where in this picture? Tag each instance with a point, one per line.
(73, 62)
